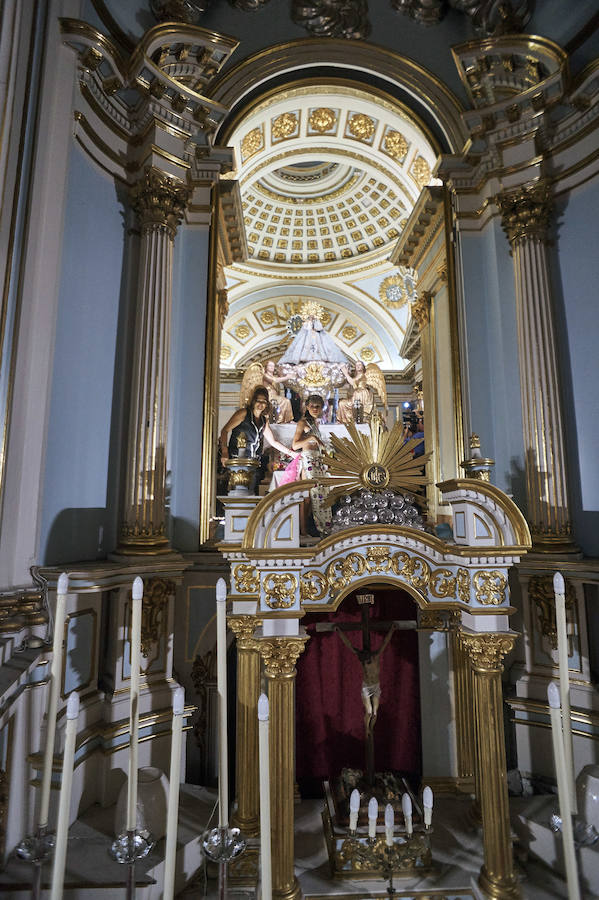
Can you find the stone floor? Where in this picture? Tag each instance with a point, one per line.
(457, 856)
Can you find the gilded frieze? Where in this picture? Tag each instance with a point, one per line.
(489, 587)
(246, 579)
(280, 590)
(542, 594)
(155, 604)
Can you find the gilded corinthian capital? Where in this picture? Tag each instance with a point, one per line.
(526, 213)
(159, 200)
(281, 654)
(243, 627)
(486, 651)
(421, 308)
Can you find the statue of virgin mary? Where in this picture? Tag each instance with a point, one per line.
(312, 343)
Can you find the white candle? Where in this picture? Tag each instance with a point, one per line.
(427, 802)
(563, 789)
(354, 809)
(389, 824)
(172, 814)
(264, 767)
(373, 814)
(53, 689)
(221, 684)
(64, 804)
(406, 806)
(135, 646)
(559, 589)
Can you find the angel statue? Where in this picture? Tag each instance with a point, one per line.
(365, 381)
(257, 375)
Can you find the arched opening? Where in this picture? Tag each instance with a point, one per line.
(331, 708)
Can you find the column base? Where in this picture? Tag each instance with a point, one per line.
(144, 546)
(249, 827)
(556, 544)
(291, 893)
(506, 888)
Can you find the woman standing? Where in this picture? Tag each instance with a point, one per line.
(252, 422)
(309, 441)
(361, 395)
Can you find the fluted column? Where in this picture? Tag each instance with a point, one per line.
(159, 202)
(280, 655)
(486, 652)
(526, 217)
(464, 709)
(247, 814)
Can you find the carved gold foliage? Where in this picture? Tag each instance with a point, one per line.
(541, 592)
(159, 200)
(243, 627)
(281, 654)
(379, 559)
(284, 126)
(463, 579)
(252, 143)
(421, 308)
(361, 126)
(486, 651)
(240, 478)
(155, 602)
(313, 587)
(420, 171)
(322, 120)
(246, 578)
(489, 587)
(395, 144)
(442, 583)
(431, 618)
(280, 590)
(526, 213)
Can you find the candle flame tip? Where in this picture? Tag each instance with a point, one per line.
(558, 583)
(427, 797)
(63, 583)
(73, 706)
(221, 590)
(553, 695)
(138, 588)
(178, 701)
(263, 708)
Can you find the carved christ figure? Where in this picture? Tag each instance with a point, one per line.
(371, 676)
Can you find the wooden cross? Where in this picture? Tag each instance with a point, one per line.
(370, 662)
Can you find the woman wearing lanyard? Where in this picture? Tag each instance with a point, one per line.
(252, 422)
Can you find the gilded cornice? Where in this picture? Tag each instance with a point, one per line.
(127, 101)
(233, 242)
(426, 219)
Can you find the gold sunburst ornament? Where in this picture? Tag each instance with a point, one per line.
(378, 461)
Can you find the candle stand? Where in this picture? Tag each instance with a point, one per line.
(354, 854)
(127, 848)
(36, 849)
(222, 845)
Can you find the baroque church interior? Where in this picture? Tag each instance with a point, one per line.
(299, 550)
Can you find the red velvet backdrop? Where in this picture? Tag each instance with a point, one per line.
(329, 710)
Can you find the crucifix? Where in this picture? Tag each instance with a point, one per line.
(371, 665)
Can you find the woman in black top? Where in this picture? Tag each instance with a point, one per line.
(252, 421)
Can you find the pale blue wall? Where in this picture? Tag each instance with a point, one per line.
(187, 384)
(577, 288)
(79, 503)
(492, 351)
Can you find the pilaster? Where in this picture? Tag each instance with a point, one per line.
(159, 202)
(280, 655)
(486, 651)
(247, 814)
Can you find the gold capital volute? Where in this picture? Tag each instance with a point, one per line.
(159, 200)
(526, 213)
(486, 651)
(243, 627)
(281, 654)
